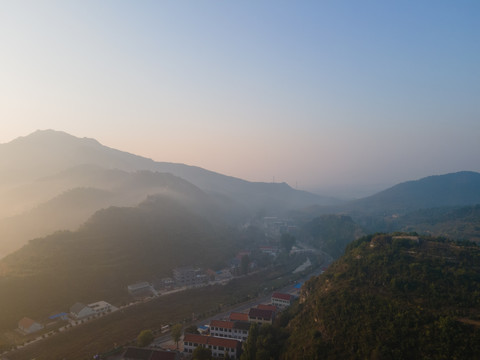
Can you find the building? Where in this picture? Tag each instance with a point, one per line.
(230, 329)
(282, 300)
(267, 307)
(134, 353)
(236, 316)
(102, 307)
(270, 250)
(59, 316)
(188, 276)
(29, 326)
(141, 289)
(81, 311)
(164, 284)
(260, 316)
(218, 346)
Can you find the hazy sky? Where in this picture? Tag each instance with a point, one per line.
(314, 93)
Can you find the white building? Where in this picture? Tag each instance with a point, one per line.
(141, 288)
(282, 300)
(218, 346)
(102, 307)
(81, 311)
(237, 330)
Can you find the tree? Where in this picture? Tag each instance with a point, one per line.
(250, 347)
(201, 353)
(192, 329)
(287, 241)
(176, 333)
(145, 338)
(244, 264)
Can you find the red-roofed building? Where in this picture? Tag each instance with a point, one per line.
(282, 300)
(230, 329)
(267, 307)
(218, 346)
(236, 316)
(28, 326)
(261, 316)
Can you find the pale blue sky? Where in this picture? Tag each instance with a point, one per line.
(320, 94)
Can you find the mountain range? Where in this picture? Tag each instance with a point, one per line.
(53, 181)
(94, 219)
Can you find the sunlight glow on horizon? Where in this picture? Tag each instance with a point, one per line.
(319, 94)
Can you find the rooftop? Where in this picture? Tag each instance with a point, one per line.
(236, 316)
(75, 309)
(267, 307)
(259, 313)
(222, 323)
(26, 323)
(282, 296)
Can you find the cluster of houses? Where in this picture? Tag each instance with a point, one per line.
(227, 336)
(77, 312)
(183, 277)
(274, 226)
(189, 276)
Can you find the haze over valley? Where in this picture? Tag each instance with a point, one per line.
(239, 180)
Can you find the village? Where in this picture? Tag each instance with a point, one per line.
(245, 263)
(224, 338)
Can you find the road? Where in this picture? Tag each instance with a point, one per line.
(165, 341)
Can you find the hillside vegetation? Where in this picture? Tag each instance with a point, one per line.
(392, 297)
(116, 247)
(331, 233)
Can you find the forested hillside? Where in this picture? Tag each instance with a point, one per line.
(331, 233)
(392, 297)
(116, 247)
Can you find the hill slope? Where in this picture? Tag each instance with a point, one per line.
(94, 188)
(392, 298)
(456, 189)
(331, 233)
(116, 247)
(458, 223)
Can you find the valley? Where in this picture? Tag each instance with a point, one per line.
(83, 231)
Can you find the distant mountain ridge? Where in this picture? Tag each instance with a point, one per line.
(455, 189)
(102, 189)
(46, 152)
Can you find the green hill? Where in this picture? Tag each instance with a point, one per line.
(116, 247)
(392, 297)
(462, 223)
(453, 222)
(94, 188)
(455, 189)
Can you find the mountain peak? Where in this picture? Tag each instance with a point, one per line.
(50, 135)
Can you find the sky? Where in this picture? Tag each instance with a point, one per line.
(328, 96)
